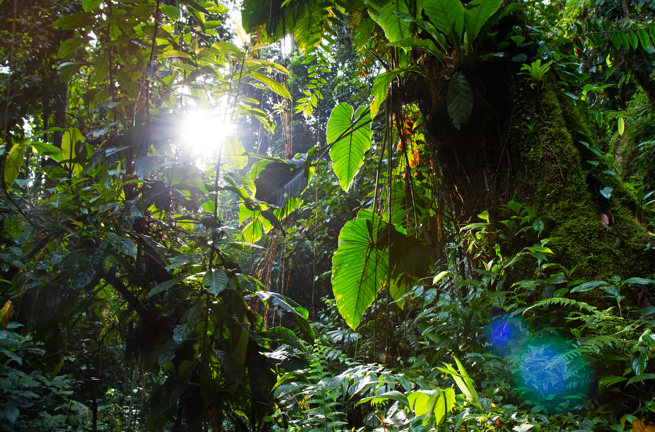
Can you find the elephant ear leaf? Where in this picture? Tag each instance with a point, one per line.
(446, 15)
(459, 100)
(359, 269)
(351, 137)
(477, 13)
(278, 182)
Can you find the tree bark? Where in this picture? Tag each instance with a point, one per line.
(527, 144)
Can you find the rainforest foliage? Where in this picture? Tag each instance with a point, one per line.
(303, 215)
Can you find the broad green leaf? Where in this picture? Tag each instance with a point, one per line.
(632, 37)
(279, 181)
(310, 28)
(621, 126)
(173, 12)
(73, 21)
(271, 84)
(235, 153)
(122, 244)
(469, 386)
(359, 270)
(175, 53)
(395, 28)
(68, 144)
(607, 381)
(13, 163)
(253, 231)
(10, 412)
(644, 38)
(638, 281)
(446, 15)
(347, 153)
(300, 314)
(588, 286)
(476, 15)
(165, 285)
(444, 404)
(284, 302)
(459, 99)
(69, 47)
(144, 165)
(89, 5)
(215, 281)
(419, 401)
(641, 378)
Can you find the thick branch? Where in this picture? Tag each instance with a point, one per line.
(126, 293)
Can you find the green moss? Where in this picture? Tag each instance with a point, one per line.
(552, 180)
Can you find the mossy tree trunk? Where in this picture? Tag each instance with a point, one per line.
(526, 144)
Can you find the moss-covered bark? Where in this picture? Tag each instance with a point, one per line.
(527, 144)
(598, 235)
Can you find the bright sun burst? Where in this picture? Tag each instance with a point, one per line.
(204, 132)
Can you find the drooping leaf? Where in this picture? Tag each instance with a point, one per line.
(235, 153)
(459, 99)
(476, 15)
(279, 181)
(49, 150)
(446, 15)
(271, 84)
(13, 163)
(644, 38)
(394, 27)
(381, 84)
(419, 401)
(347, 153)
(122, 244)
(165, 285)
(144, 165)
(215, 281)
(310, 29)
(359, 269)
(173, 12)
(444, 404)
(68, 145)
(425, 44)
(253, 231)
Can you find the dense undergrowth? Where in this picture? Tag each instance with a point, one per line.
(409, 216)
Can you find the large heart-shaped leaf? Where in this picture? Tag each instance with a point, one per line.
(359, 270)
(476, 15)
(459, 99)
(446, 15)
(347, 152)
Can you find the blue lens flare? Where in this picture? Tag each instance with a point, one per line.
(553, 374)
(548, 371)
(505, 336)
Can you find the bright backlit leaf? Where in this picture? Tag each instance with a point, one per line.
(350, 141)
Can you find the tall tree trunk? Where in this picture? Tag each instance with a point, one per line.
(528, 145)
